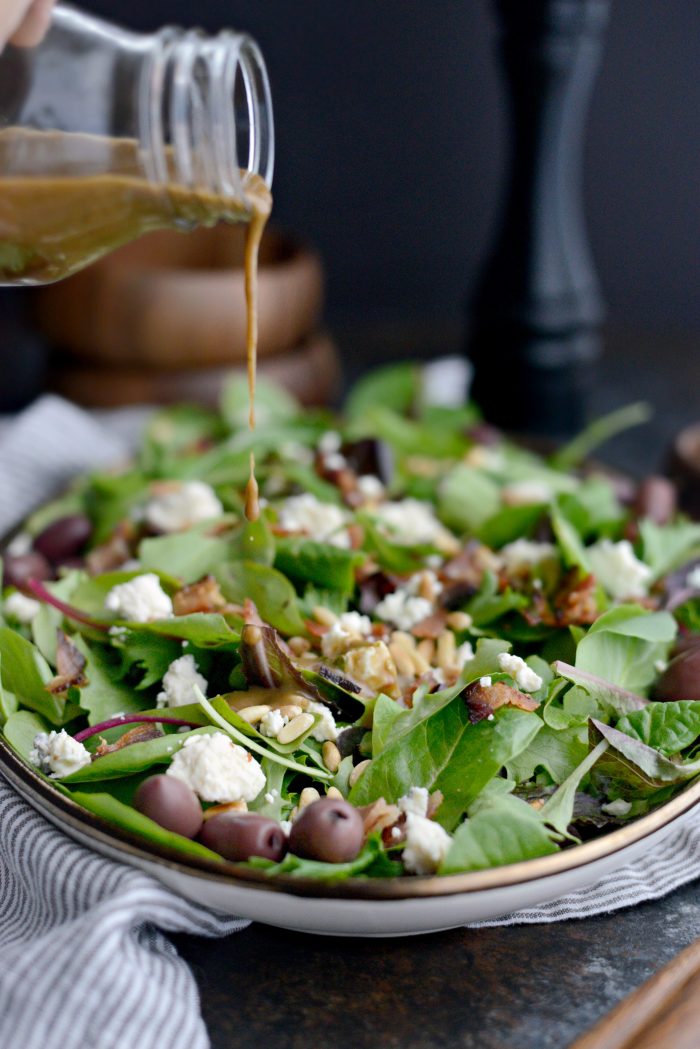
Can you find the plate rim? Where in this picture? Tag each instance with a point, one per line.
(21, 775)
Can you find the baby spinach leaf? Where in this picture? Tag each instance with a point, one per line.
(253, 541)
(558, 810)
(510, 523)
(273, 595)
(386, 712)
(202, 629)
(669, 546)
(187, 555)
(467, 498)
(25, 673)
(307, 561)
(505, 830)
(21, 728)
(103, 695)
(490, 603)
(146, 654)
(568, 539)
(558, 752)
(668, 727)
(624, 645)
(128, 818)
(391, 556)
(134, 758)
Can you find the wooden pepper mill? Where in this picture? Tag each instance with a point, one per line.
(537, 308)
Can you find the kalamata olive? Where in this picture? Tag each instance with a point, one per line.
(681, 679)
(170, 803)
(239, 835)
(18, 569)
(331, 830)
(64, 537)
(656, 499)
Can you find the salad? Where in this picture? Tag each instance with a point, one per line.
(435, 651)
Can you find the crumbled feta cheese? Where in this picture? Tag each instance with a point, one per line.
(525, 677)
(140, 600)
(523, 553)
(217, 769)
(485, 681)
(414, 584)
(58, 754)
(410, 522)
(271, 795)
(322, 521)
(22, 608)
(402, 609)
(370, 488)
(617, 808)
(330, 443)
(523, 493)
(179, 681)
(20, 545)
(427, 844)
(184, 504)
(373, 665)
(416, 801)
(693, 578)
(272, 723)
(618, 570)
(445, 382)
(465, 652)
(326, 728)
(349, 628)
(660, 665)
(335, 461)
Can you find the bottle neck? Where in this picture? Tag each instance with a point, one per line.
(205, 113)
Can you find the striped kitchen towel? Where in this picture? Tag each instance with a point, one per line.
(84, 961)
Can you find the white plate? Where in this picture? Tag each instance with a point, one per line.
(371, 907)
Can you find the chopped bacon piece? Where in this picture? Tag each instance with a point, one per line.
(378, 816)
(483, 700)
(574, 603)
(432, 626)
(70, 664)
(114, 552)
(140, 734)
(204, 596)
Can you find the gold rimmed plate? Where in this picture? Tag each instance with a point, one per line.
(357, 907)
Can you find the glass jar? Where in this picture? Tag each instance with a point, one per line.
(106, 134)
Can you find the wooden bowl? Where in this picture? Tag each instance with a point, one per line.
(174, 301)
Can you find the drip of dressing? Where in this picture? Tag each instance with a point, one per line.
(260, 213)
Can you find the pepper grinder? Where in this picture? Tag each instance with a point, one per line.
(537, 310)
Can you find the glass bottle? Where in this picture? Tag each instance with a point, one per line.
(106, 134)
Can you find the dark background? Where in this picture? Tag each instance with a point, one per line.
(390, 146)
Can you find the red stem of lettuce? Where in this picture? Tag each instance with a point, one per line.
(129, 719)
(41, 592)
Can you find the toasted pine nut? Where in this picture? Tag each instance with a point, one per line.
(295, 728)
(402, 658)
(420, 664)
(298, 700)
(252, 634)
(299, 645)
(358, 771)
(330, 755)
(324, 615)
(253, 715)
(333, 792)
(426, 648)
(290, 710)
(446, 649)
(426, 587)
(407, 640)
(307, 797)
(228, 806)
(448, 544)
(459, 620)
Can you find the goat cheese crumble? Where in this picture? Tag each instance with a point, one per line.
(140, 600)
(348, 628)
(326, 727)
(618, 570)
(58, 754)
(181, 505)
(22, 608)
(524, 676)
(272, 723)
(410, 522)
(217, 769)
(179, 681)
(324, 522)
(416, 801)
(427, 844)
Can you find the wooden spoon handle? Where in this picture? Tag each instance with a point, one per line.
(664, 1013)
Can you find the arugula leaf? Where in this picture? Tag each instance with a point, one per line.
(489, 604)
(385, 714)
(503, 830)
(668, 727)
(467, 498)
(25, 673)
(254, 541)
(128, 818)
(391, 556)
(146, 654)
(273, 595)
(202, 629)
(308, 561)
(668, 546)
(568, 540)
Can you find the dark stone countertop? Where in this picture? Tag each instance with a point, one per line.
(518, 987)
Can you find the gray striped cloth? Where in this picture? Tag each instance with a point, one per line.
(84, 961)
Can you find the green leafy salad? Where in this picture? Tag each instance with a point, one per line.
(435, 651)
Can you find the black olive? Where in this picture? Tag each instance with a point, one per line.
(18, 569)
(170, 803)
(331, 830)
(64, 537)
